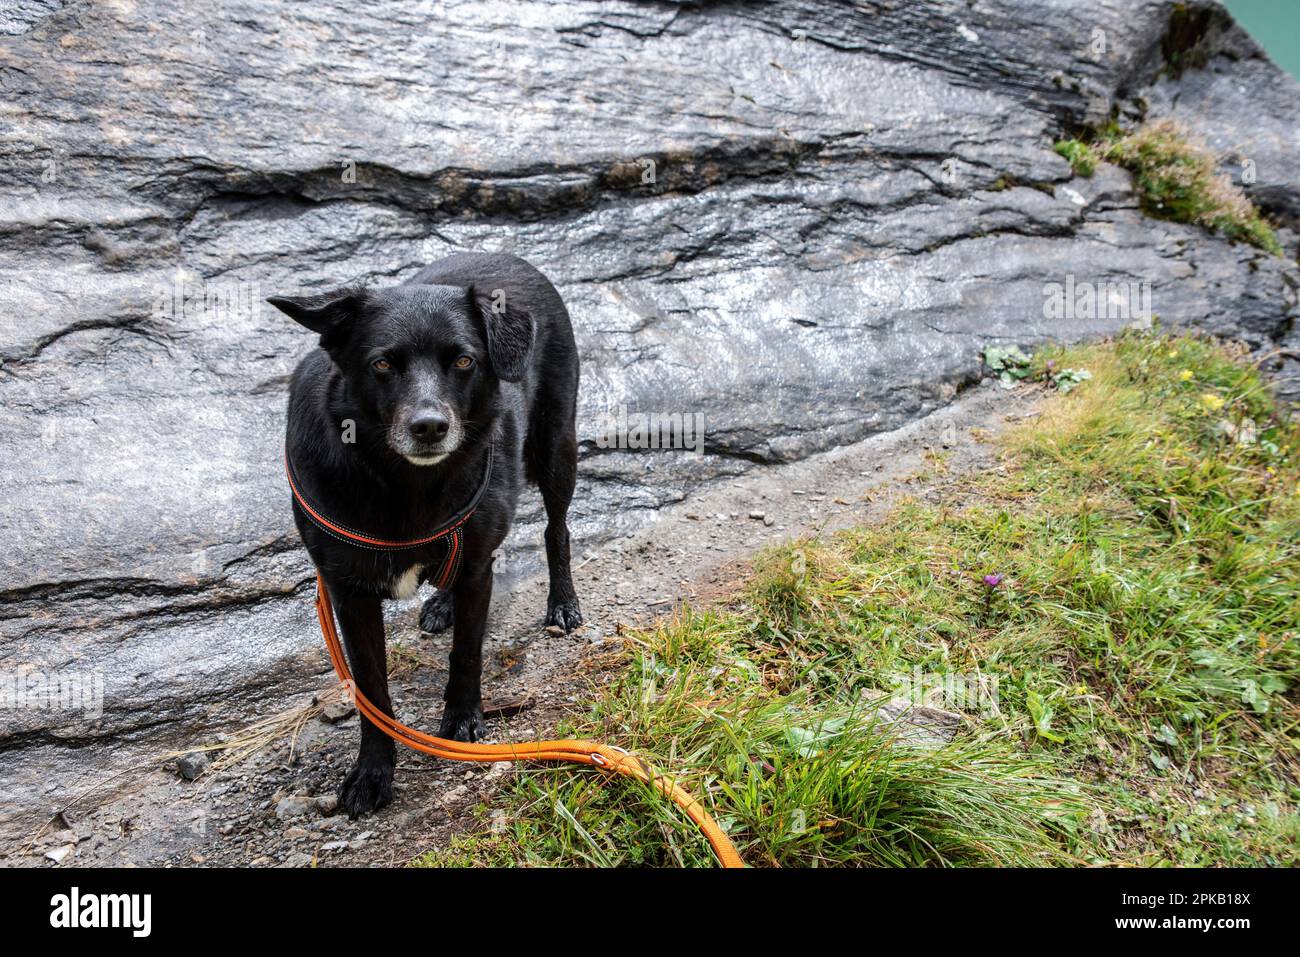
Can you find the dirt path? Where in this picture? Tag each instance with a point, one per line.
(275, 808)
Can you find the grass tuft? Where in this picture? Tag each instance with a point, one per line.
(1082, 157)
(1113, 614)
(1176, 179)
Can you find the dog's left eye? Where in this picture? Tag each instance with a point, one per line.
(381, 365)
(464, 362)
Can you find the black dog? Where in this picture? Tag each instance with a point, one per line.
(423, 399)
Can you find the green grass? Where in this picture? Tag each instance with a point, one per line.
(1137, 659)
(1082, 157)
(1176, 179)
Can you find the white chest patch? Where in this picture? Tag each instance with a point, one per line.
(406, 584)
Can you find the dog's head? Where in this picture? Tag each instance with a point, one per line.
(422, 362)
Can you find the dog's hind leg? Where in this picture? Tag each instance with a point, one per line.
(552, 458)
(369, 785)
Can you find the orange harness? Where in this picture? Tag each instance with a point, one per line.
(603, 756)
(448, 532)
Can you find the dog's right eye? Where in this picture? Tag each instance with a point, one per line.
(381, 365)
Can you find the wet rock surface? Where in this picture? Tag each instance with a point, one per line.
(800, 220)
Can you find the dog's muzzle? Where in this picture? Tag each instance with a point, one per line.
(426, 437)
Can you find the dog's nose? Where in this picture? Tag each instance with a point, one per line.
(429, 426)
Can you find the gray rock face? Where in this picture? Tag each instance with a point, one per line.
(801, 220)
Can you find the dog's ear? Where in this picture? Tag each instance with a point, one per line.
(330, 314)
(509, 332)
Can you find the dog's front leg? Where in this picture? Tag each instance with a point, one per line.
(369, 785)
(462, 717)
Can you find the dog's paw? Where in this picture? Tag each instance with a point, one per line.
(564, 614)
(463, 724)
(436, 615)
(368, 787)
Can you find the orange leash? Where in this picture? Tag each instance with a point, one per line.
(603, 756)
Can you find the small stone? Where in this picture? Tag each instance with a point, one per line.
(918, 724)
(298, 859)
(334, 846)
(758, 515)
(192, 765)
(338, 710)
(326, 804)
(405, 820)
(295, 805)
(60, 854)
